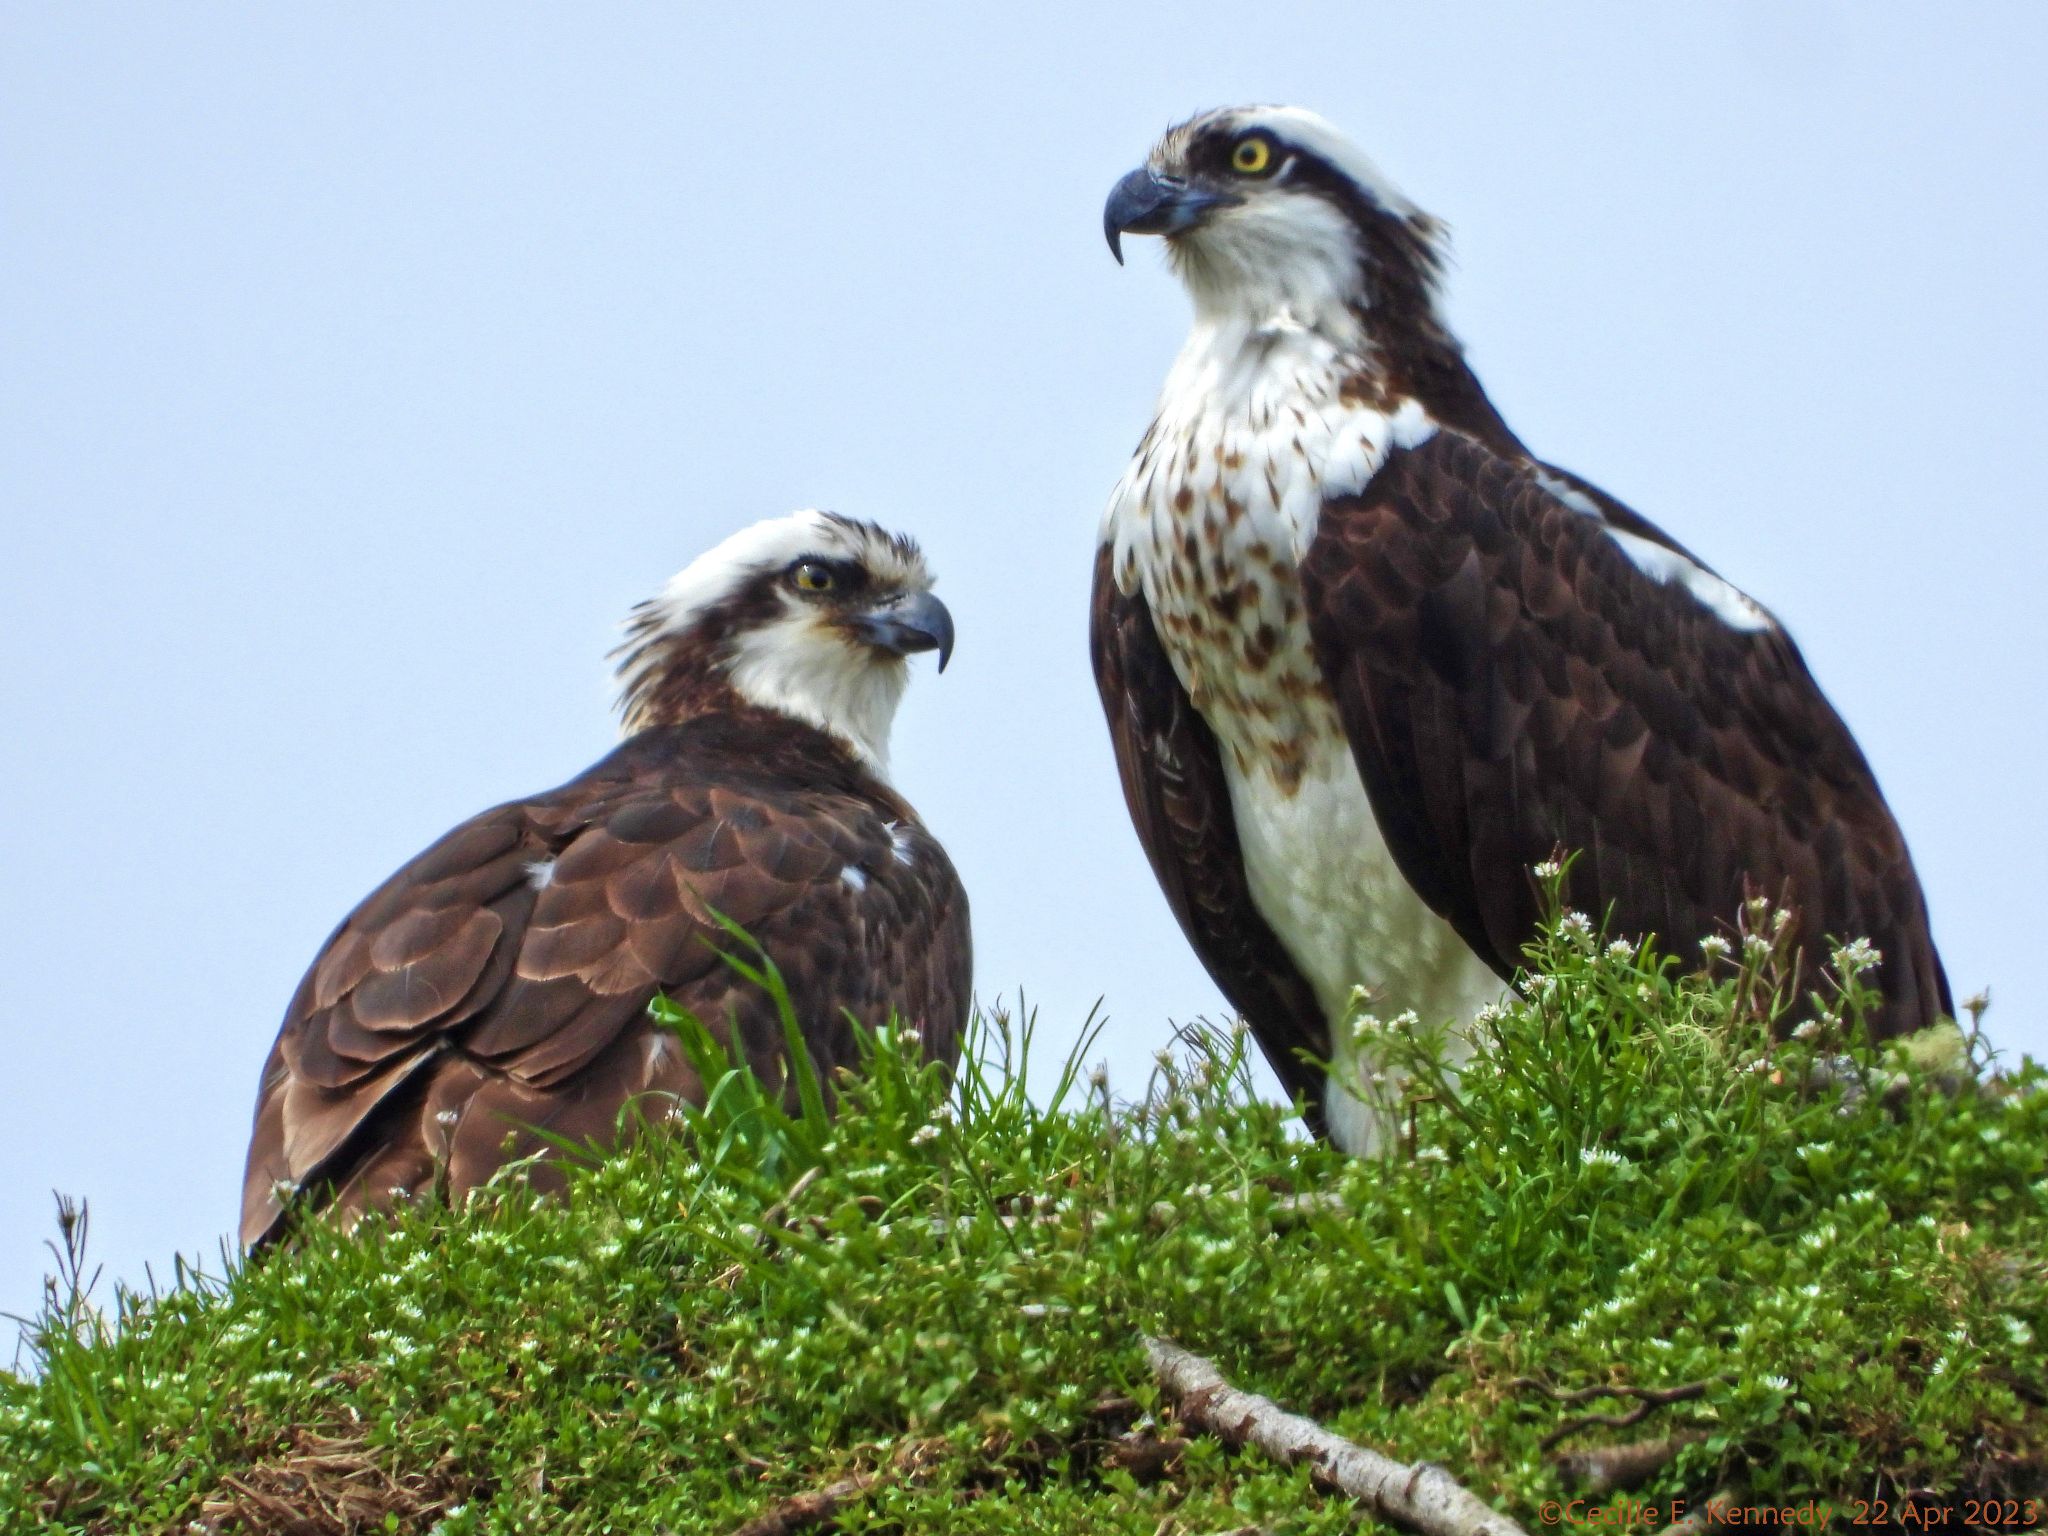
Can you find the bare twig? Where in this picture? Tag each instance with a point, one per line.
(1647, 1401)
(1604, 1468)
(1113, 1405)
(776, 1217)
(1146, 1454)
(801, 1511)
(1655, 1396)
(1422, 1495)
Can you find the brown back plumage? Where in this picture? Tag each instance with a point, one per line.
(497, 986)
(1511, 685)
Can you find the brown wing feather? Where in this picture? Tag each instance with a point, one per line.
(1173, 783)
(468, 1005)
(1511, 684)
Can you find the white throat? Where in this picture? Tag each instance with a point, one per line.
(829, 683)
(1290, 260)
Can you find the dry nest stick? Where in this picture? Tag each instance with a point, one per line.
(803, 1511)
(1423, 1496)
(1647, 1401)
(1630, 1464)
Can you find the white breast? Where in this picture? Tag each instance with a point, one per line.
(1211, 521)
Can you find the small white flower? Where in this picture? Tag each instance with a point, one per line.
(1853, 959)
(1547, 870)
(923, 1134)
(1576, 928)
(1777, 1383)
(1714, 947)
(1602, 1157)
(1431, 1155)
(1621, 949)
(1098, 1076)
(1164, 1056)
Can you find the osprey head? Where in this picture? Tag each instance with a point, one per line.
(811, 615)
(1271, 209)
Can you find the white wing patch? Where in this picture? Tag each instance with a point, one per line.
(1726, 601)
(899, 842)
(540, 874)
(854, 878)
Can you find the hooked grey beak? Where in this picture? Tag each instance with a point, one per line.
(1146, 203)
(902, 625)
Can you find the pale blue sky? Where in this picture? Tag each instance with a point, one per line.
(360, 366)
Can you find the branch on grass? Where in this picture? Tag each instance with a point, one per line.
(1422, 1495)
(814, 1507)
(1647, 1401)
(776, 1217)
(773, 1222)
(1146, 1454)
(1604, 1468)
(800, 1512)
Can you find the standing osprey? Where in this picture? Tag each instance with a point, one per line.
(497, 986)
(1366, 660)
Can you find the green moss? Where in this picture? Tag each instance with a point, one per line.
(1632, 1188)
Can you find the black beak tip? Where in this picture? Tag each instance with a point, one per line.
(905, 626)
(1116, 240)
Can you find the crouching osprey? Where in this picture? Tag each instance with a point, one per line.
(1366, 660)
(497, 987)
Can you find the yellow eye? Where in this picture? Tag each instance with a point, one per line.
(1252, 156)
(813, 577)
